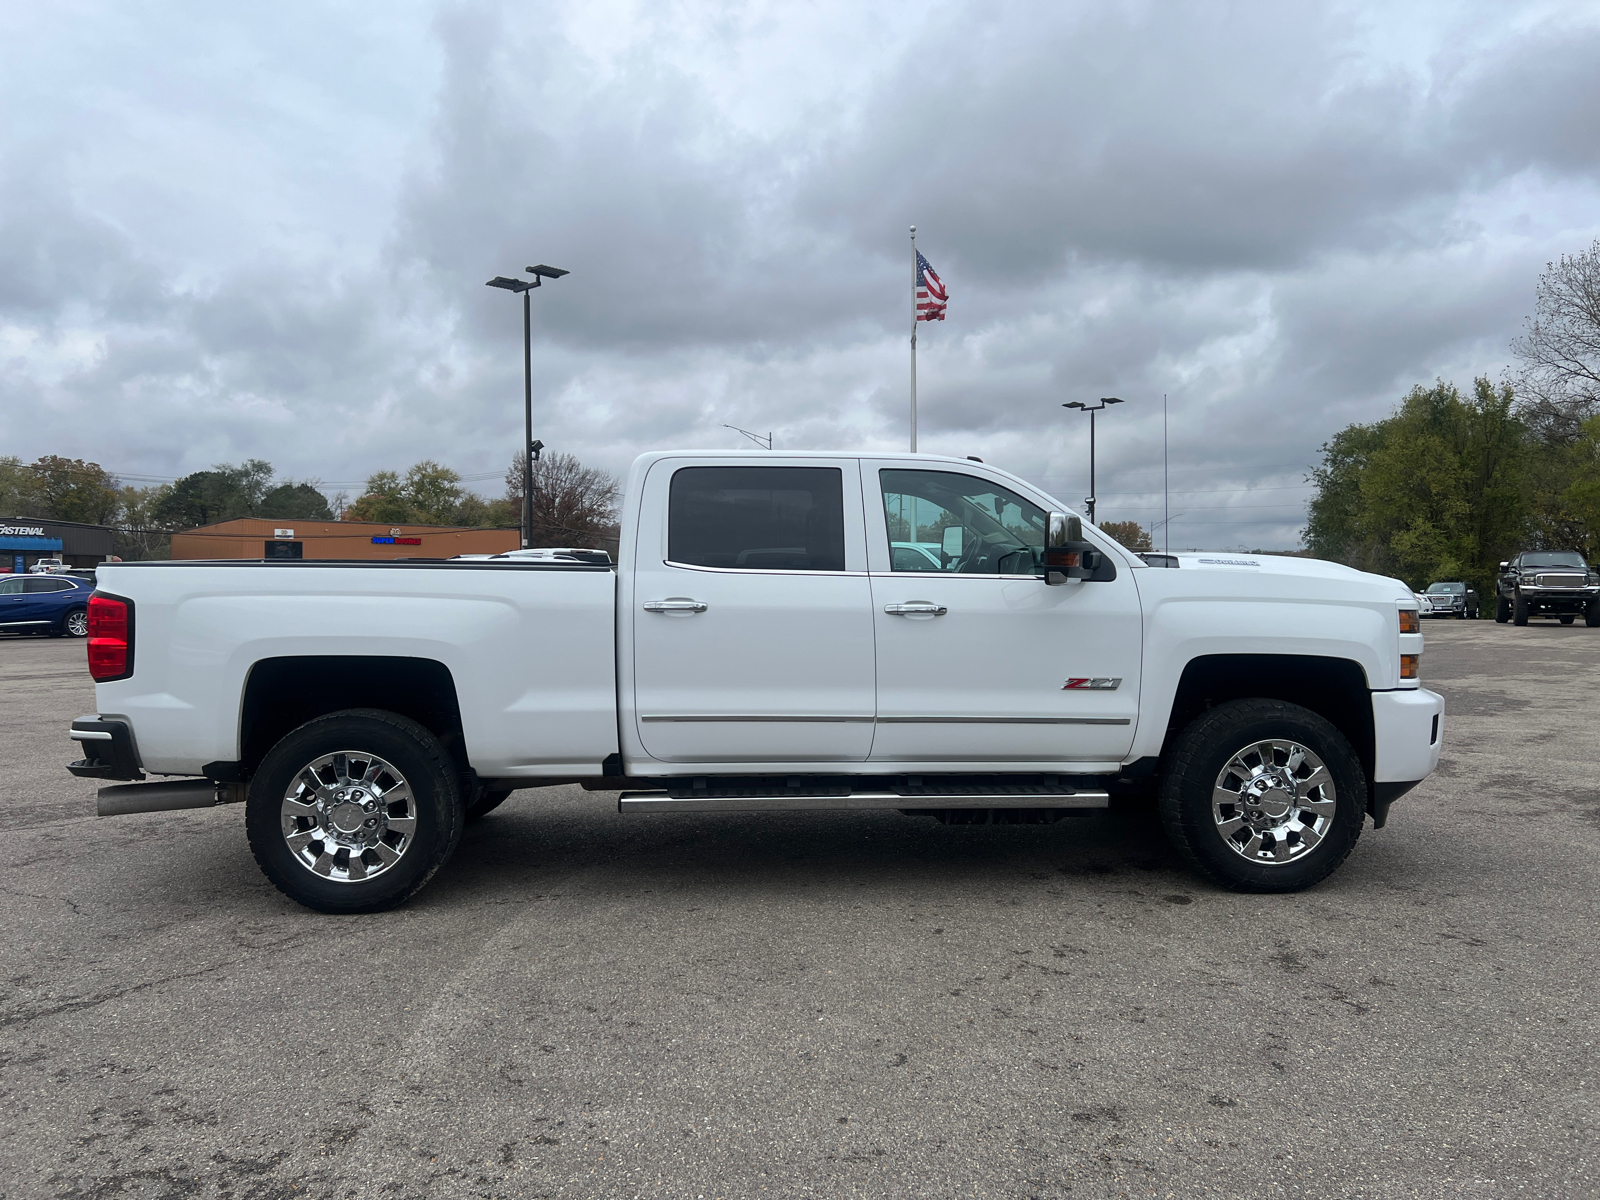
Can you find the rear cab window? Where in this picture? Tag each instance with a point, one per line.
(761, 518)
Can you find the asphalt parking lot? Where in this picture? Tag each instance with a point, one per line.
(585, 1004)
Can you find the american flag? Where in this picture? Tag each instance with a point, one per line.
(931, 294)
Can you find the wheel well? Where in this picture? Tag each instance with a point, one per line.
(1333, 688)
(282, 694)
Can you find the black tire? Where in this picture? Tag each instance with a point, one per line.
(429, 773)
(1502, 610)
(485, 801)
(1519, 611)
(1198, 759)
(1591, 614)
(1568, 620)
(75, 624)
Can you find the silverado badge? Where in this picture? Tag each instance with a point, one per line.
(1100, 684)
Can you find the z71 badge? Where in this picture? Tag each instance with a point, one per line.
(1100, 684)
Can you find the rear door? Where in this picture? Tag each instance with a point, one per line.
(752, 613)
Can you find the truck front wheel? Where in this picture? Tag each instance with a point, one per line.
(1263, 796)
(354, 811)
(1519, 610)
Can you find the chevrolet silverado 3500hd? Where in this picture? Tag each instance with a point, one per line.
(781, 631)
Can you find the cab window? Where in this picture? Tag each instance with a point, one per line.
(949, 522)
(757, 518)
(11, 587)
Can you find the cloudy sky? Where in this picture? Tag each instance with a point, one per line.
(233, 231)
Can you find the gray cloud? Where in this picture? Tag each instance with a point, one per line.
(271, 240)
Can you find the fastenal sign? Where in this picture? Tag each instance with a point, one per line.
(21, 530)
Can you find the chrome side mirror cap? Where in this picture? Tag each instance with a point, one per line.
(1068, 556)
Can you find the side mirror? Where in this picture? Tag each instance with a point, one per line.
(1504, 565)
(1068, 556)
(952, 540)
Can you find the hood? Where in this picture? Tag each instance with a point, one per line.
(1221, 563)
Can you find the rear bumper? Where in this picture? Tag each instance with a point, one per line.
(109, 752)
(1408, 729)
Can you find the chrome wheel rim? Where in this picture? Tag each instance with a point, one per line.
(1273, 802)
(348, 816)
(78, 624)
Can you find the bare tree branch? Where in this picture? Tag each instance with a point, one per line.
(1559, 380)
(573, 505)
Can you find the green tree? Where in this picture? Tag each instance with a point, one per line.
(1437, 491)
(295, 502)
(69, 489)
(19, 492)
(427, 494)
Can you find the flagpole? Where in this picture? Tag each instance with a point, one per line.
(913, 339)
(1166, 513)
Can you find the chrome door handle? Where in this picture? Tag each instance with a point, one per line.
(677, 604)
(917, 608)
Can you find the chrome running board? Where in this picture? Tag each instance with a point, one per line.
(791, 802)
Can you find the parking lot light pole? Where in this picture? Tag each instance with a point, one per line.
(1091, 409)
(540, 273)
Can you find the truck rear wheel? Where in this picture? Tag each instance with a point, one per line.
(354, 811)
(1502, 610)
(1263, 796)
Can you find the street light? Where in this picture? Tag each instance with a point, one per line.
(540, 273)
(1091, 409)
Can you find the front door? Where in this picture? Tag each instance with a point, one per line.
(979, 660)
(752, 614)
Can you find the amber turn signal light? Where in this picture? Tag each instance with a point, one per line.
(1410, 666)
(1410, 622)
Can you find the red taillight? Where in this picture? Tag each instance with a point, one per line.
(110, 638)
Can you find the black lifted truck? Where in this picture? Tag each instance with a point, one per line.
(1453, 600)
(1547, 583)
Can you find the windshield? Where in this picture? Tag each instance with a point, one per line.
(1447, 589)
(1554, 558)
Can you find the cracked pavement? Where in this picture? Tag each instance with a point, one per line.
(818, 1005)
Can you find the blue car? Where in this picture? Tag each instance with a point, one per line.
(53, 604)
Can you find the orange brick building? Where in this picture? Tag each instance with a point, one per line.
(260, 537)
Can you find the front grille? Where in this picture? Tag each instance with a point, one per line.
(1561, 581)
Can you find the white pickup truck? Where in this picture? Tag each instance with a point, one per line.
(781, 631)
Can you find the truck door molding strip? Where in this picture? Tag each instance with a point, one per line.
(747, 717)
(1005, 720)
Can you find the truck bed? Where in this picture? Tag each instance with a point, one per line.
(528, 650)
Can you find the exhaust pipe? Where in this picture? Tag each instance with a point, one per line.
(164, 797)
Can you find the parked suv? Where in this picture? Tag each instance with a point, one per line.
(1547, 583)
(53, 604)
(1452, 600)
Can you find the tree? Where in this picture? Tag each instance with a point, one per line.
(428, 494)
(573, 505)
(221, 494)
(1129, 533)
(69, 489)
(1560, 352)
(1437, 491)
(19, 491)
(295, 502)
